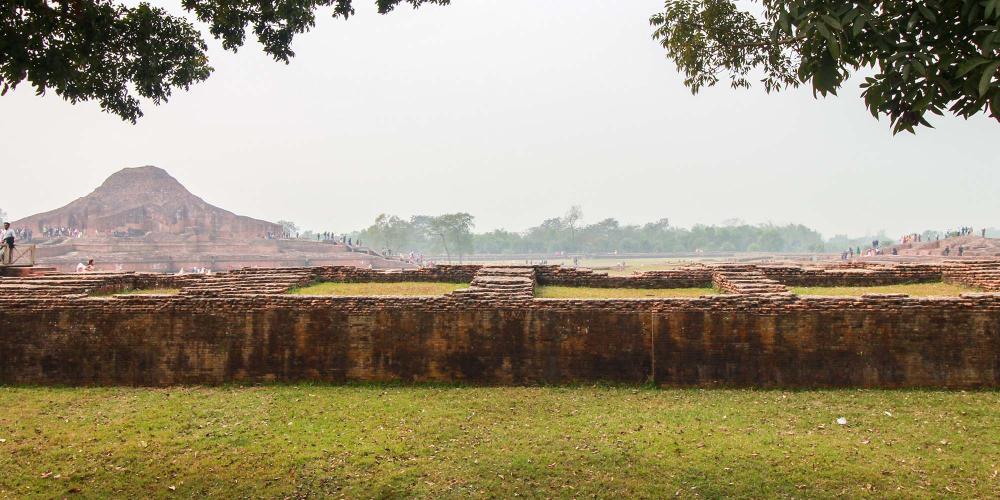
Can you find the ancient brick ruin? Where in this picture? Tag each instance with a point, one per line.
(242, 326)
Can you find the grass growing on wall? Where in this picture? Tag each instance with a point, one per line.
(152, 291)
(576, 292)
(914, 289)
(141, 291)
(451, 442)
(407, 288)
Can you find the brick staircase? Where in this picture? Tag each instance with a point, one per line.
(249, 281)
(57, 285)
(744, 280)
(498, 283)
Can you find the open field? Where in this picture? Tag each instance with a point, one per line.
(376, 289)
(576, 292)
(914, 289)
(429, 441)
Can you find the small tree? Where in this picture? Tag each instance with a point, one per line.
(289, 227)
(454, 231)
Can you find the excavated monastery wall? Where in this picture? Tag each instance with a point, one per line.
(723, 340)
(240, 327)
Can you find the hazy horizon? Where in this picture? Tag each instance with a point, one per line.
(511, 111)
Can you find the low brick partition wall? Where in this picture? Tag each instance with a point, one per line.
(683, 277)
(441, 274)
(727, 340)
(857, 275)
(983, 274)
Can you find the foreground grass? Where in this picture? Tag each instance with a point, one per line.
(386, 441)
(914, 289)
(575, 292)
(377, 289)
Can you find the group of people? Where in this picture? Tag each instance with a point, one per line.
(67, 232)
(874, 250)
(962, 231)
(850, 253)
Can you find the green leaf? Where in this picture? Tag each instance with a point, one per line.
(835, 24)
(834, 47)
(987, 78)
(926, 12)
(970, 65)
(859, 24)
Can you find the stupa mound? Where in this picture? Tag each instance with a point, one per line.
(142, 219)
(148, 201)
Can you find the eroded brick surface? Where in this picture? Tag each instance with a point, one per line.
(242, 327)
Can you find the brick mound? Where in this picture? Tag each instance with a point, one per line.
(142, 219)
(972, 246)
(148, 200)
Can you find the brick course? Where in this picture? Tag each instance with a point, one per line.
(238, 328)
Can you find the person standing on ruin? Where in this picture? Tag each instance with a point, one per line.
(7, 236)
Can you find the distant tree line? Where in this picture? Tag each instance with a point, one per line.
(452, 235)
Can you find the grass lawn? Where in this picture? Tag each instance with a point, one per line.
(576, 292)
(452, 442)
(914, 289)
(375, 289)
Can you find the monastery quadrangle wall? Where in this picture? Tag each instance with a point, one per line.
(218, 330)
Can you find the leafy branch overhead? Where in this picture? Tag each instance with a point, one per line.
(101, 50)
(923, 56)
(917, 57)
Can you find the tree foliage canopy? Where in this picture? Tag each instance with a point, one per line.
(105, 51)
(927, 56)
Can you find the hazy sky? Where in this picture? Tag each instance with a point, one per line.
(512, 110)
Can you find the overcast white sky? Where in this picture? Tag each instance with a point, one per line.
(511, 110)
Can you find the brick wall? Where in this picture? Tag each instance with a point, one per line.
(240, 327)
(732, 340)
(685, 277)
(853, 275)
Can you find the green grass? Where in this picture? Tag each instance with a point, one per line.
(914, 289)
(452, 442)
(379, 289)
(574, 292)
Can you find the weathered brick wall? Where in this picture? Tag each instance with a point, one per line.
(685, 277)
(982, 274)
(856, 275)
(444, 274)
(734, 340)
